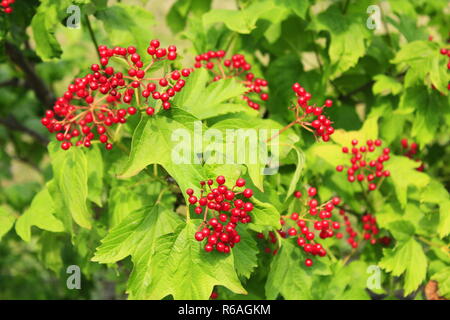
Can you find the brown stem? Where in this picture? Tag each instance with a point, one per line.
(92, 35)
(12, 123)
(32, 79)
(282, 130)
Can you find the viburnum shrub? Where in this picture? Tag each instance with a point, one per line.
(93, 104)
(366, 163)
(5, 5)
(236, 67)
(335, 188)
(228, 208)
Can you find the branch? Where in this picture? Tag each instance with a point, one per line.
(12, 123)
(32, 79)
(92, 35)
(14, 82)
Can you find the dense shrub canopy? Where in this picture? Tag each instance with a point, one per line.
(102, 166)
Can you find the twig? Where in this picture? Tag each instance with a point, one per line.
(32, 79)
(12, 123)
(92, 35)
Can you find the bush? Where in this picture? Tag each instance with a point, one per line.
(255, 149)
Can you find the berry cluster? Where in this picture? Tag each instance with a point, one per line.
(410, 151)
(310, 116)
(91, 104)
(352, 234)
(365, 164)
(5, 6)
(305, 228)
(229, 207)
(271, 240)
(370, 230)
(160, 88)
(236, 67)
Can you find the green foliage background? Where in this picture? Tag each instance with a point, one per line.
(120, 215)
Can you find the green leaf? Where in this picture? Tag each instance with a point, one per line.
(409, 28)
(266, 212)
(39, 214)
(44, 25)
(70, 171)
(348, 282)
(245, 253)
(401, 230)
(136, 236)
(126, 197)
(330, 153)
(192, 273)
(385, 85)
(136, 231)
(427, 106)
(245, 20)
(181, 268)
(406, 258)
(290, 277)
(297, 173)
(436, 193)
(205, 100)
(179, 12)
(47, 47)
(423, 64)
(444, 219)
(348, 34)
(7, 220)
(155, 141)
(404, 7)
(50, 253)
(241, 21)
(128, 23)
(404, 175)
(95, 174)
(300, 7)
(245, 133)
(443, 279)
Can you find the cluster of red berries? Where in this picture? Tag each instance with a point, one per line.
(236, 67)
(311, 116)
(5, 5)
(370, 228)
(363, 168)
(370, 231)
(410, 151)
(446, 52)
(271, 241)
(229, 207)
(305, 228)
(352, 234)
(91, 103)
(161, 88)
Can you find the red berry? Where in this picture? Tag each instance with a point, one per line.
(312, 191)
(199, 236)
(220, 179)
(248, 193)
(240, 182)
